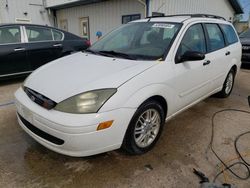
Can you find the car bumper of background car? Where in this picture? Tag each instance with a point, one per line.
(72, 134)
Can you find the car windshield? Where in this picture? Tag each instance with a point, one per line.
(245, 34)
(138, 40)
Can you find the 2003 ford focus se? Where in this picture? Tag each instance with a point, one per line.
(119, 92)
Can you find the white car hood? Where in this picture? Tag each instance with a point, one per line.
(81, 72)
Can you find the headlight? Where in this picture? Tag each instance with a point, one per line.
(88, 102)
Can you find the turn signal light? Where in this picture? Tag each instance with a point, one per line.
(104, 125)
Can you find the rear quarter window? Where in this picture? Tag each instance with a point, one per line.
(230, 34)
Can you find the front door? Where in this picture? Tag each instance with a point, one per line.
(13, 57)
(84, 28)
(192, 78)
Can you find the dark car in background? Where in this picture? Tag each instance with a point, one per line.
(245, 41)
(25, 47)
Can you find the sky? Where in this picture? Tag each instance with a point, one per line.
(245, 4)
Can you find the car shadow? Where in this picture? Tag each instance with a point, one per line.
(245, 66)
(9, 81)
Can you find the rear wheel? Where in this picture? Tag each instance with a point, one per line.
(145, 128)
(227, 86)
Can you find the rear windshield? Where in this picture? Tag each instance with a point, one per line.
(139, 40)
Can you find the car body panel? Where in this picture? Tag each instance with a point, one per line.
(180, 85)
(80, 135)
(40, 53)
(13, 59)
(245, 50)
(25, 56)
(93, 72)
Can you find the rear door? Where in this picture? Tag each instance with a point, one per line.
(58, 45)
(192, 78)
(233, 50)
(13, 57)
(218, 54)
(41, 46)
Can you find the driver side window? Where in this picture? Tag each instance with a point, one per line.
(193, 40)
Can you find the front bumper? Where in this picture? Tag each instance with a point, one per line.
(77, 131)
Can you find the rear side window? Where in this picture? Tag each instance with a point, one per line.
(10, 35)
(193, 40)
(230, 34)
(215, 37)
(57, 35)
(38, 34)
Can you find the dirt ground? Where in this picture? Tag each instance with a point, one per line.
(182, 147)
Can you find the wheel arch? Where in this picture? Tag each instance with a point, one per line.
(161, 93)
(161, 100)
(129, 145)
(234, 68)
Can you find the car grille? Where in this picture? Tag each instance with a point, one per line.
(39, 99)
(41, 133)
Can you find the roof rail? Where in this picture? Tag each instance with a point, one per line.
(191, 15)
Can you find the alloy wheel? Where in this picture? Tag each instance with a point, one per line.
(147, 128)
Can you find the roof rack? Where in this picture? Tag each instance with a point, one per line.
(191, 15)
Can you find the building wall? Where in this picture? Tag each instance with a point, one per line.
(12, 10)
(103, 16)
(217, 7)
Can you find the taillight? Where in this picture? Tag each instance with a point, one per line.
(88, 42)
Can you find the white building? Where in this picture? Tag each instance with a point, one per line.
(225, 8)
(25, 11)
(86, 17)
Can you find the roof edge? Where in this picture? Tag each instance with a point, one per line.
(73, 4)
(236, 6)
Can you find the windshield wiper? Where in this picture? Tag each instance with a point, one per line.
(115, 54)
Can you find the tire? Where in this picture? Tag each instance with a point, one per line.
(228, 85)
(142, 135)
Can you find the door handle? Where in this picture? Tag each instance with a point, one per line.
(57, 45)
(19, 49)
(206, 63)
(228, 53)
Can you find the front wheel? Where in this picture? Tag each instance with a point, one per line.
(227, 86)
(145, 128)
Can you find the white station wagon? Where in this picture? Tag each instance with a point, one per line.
(119, 92)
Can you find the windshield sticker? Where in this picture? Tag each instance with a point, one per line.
(162, 25)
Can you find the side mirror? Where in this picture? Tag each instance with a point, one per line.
(190, 56)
